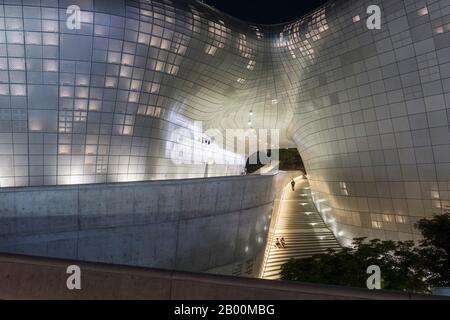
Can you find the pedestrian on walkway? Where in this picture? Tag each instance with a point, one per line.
(283, 243)
(278, 243)
(293, 184)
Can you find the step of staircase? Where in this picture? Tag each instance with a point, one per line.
(303, 229)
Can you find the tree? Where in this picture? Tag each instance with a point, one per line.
(435, 249)
(405, 266)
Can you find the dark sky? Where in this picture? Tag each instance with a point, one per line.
(265, 11)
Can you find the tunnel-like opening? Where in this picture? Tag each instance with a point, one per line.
(290, 160)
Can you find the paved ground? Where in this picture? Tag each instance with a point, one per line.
(301, 226)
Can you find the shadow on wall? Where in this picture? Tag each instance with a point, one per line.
(290, 160)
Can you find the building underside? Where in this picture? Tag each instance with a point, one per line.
(142, 90)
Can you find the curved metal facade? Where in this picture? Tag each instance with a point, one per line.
(367, 109)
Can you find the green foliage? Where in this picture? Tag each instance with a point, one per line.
(404, 266)
(435, 249)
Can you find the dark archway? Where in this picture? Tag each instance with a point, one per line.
(290, 160)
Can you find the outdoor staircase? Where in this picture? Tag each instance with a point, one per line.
(301, 226)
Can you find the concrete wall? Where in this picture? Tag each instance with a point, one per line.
(190, 225)
(31, 278)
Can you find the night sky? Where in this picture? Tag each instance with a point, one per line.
(266, 11)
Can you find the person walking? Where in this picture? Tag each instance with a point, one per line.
(283, 243)
(278, 243)
(293, 184)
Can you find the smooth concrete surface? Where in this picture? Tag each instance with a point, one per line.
(300, 224)
(189, 225)
(42, 278)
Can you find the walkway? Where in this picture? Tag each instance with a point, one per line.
(301, 226)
